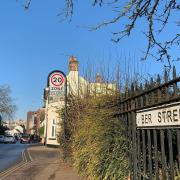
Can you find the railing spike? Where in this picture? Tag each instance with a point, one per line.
(158, 79)
(174, 72)
(165, 76)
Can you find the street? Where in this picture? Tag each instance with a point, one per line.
(38, 163)
(10, 154)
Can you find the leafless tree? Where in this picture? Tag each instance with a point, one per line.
(156, 13)
(7, 107)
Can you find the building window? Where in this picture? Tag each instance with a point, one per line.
(53, 132)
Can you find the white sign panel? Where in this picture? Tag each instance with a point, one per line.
(57, 86)
(56, 82)
(168, 115)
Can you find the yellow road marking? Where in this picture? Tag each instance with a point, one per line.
(17, 166)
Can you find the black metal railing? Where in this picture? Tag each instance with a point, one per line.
(154, 152)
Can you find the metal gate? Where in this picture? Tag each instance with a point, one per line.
(154, 152)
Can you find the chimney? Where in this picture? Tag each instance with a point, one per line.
(73, 64)
(98, 78)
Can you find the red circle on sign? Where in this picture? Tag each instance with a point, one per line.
(57, 79)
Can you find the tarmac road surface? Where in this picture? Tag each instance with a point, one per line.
(40, 163)
(10, 154)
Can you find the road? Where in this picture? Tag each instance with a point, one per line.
(10, 154)
(41, 163)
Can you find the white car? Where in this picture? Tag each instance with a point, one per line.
(9, 139)
(1, 138)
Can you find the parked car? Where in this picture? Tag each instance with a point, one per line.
(1, 138)
(9, 139)
(17, 136)
(25, 139)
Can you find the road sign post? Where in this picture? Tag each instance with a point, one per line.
(57, 85)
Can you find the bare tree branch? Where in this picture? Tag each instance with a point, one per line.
(155, 12)
(7, 108)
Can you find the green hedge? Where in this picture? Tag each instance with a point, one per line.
(41, 131)
(96, 139)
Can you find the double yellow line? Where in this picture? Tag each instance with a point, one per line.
(14, 168)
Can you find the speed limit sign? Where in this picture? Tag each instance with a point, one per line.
(56, 81)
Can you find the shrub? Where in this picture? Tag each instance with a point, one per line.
(96, 139)
(41, 131)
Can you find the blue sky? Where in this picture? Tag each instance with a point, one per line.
(33, 43)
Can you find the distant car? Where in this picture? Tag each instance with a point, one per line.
(9, 139)
(16, 137)
(25, 139)
(1, 138)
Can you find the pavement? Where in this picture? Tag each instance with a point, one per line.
(40, 163)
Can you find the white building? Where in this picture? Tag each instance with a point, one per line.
(77, 86)
(18, 130)
(15, 127)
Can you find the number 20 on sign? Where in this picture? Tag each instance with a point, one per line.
(56, 81)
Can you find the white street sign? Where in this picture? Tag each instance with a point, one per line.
(56, 82)
(166, 115)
